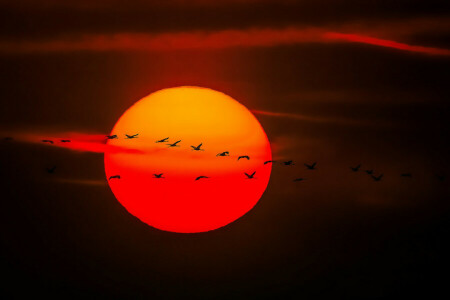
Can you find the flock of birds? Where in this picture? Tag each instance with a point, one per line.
(312, 166)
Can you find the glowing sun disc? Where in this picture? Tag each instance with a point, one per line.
(177, 202)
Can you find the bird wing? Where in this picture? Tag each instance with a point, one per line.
(253, 174)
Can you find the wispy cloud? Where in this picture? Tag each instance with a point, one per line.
(314, 119)
(78, 141)
(219, 39)
(89, 182)
(357, 38)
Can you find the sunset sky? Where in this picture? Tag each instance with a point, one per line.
(340, 82)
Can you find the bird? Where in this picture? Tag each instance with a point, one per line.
(377, 178)
(406, 175)
(197, 148)
(51, 170)
(356, 169)
(111, 137)
(269, 161)
(244, 156)
(128, 137)
(370, 172)
(174, 144)
(162, 141)
(288, 163)
(225, 153)
(250, 176)
(7, 139)
(47, 141)
(114, 177)
(298, 179)
(311, 166)
(158, 175)
(200, 177)
(65, 141)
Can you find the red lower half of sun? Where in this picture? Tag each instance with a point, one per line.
(182, 171)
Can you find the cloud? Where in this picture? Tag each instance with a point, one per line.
(356, 38)
(314, 119)
(78, 142)
(89, 182)
(218, 39)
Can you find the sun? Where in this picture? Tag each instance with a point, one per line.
(177, 202)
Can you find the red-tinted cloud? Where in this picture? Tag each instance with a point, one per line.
(356, 38)
(78, 142)
(253, 37)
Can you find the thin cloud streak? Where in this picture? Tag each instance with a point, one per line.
(78, 142)
(305, 118)
(221, 39)
(356, 38)
(89, 182)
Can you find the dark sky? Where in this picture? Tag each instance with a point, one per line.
(76, 66)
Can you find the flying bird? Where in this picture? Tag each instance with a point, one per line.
(298, 179)
(7, 139)
(288, 163)
(406, 175)
(51, 170)
(174, 144)
(197, 148)
(134, 136)
(250, 176)
(370, 172)
(200, 177)
(114, 177)
(377, 178)
(225, 153)
(162, 141)
(244, 156)
(311, 166)
(269, 161)
(111, 137)
(65, 141)
(47, 141)
(158, 175)
(356, 169)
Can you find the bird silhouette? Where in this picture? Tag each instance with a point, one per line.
(47, 141)
(288, 163)
(311, 166)
(406, 175)
(174, 144)
(225, 153)
(244, 156)
(298, 179)
(370, 172)
(114, 177)
(51, 170)
(269, 161)
(250, 176)
(162, 141)
(7, 139)
(198, 148)
(111, 137)
(134, 136)
(200, 177)
(158, 175)
(65, 141)
(356, 169)
(377, 178)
